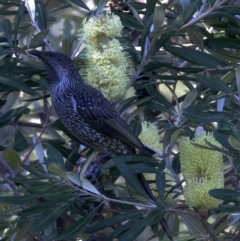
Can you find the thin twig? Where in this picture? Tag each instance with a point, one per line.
(200, 17)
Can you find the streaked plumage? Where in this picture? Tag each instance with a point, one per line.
(83, 109)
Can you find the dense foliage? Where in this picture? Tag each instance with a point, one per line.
(185, 56)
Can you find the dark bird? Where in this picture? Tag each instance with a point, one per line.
(84, 111)
(87, 114)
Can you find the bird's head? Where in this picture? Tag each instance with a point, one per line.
(59, 66)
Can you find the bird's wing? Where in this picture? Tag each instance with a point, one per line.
(99, 113)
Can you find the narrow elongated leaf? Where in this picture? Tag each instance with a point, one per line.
(54, 155)
(20, 142)
(189, 99)
(160, 180)
(175, 25)
(79, 225)
(100, 6)
(81, 4)
(19, 200)
(115, 220)
(41, 16)
(40, 152)
(6, 25)
(17, 84)
(131, 179)
(84, 183)
(229, 208)
(225, 194)
(122, 228)
(196, 38)
(59, 7)
(214, 83)
(204, 117)
(12, 158)
(129, 20)
(152, 90)
(152, 217)
(194, 225)
(35, 172)
(37, 40)
(17, 19)
(145, 41)
(22, 231)
(158, 17)
(36, 208)
(193, 56)
(13, 113)
(150, 7)
(48, 216)
(66, 152)
(55, 168)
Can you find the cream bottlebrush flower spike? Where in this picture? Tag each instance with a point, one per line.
(202, 170)
(150, 137)
(108, 66)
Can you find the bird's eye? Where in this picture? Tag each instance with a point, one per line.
(59, 60)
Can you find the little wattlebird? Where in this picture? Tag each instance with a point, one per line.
(85, 112)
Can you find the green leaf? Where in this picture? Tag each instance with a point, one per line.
(55, 168)
(158, 17)
(75, 229)
(152, 217)
(196, 38)
(81, 4)
(20, 142)
(129, 21)
(214, 83)
(225, 194)
(17, 85)
(47, 217)
(67, 45)
(194, 226)
(115, 220)
(59, 7)
(41, 16)
(84, 183)
(58, 193)
(37, 40)
(19, 200)
(236, 164)
(100, 6)
(152, 90)
(189, 98)
(193, 56)
(229, 208)
(145, 36)
(122, 228)
(160, 180)
(55, 156)
(13, 113)
(131, 178)
(12, 158)
(150, 7)
(204, 117)
(36, 172)
(66, 152)
(175, 25)
(6, 25)
(36, 208)
(17, 19)
(222, 138)
(22, 232)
